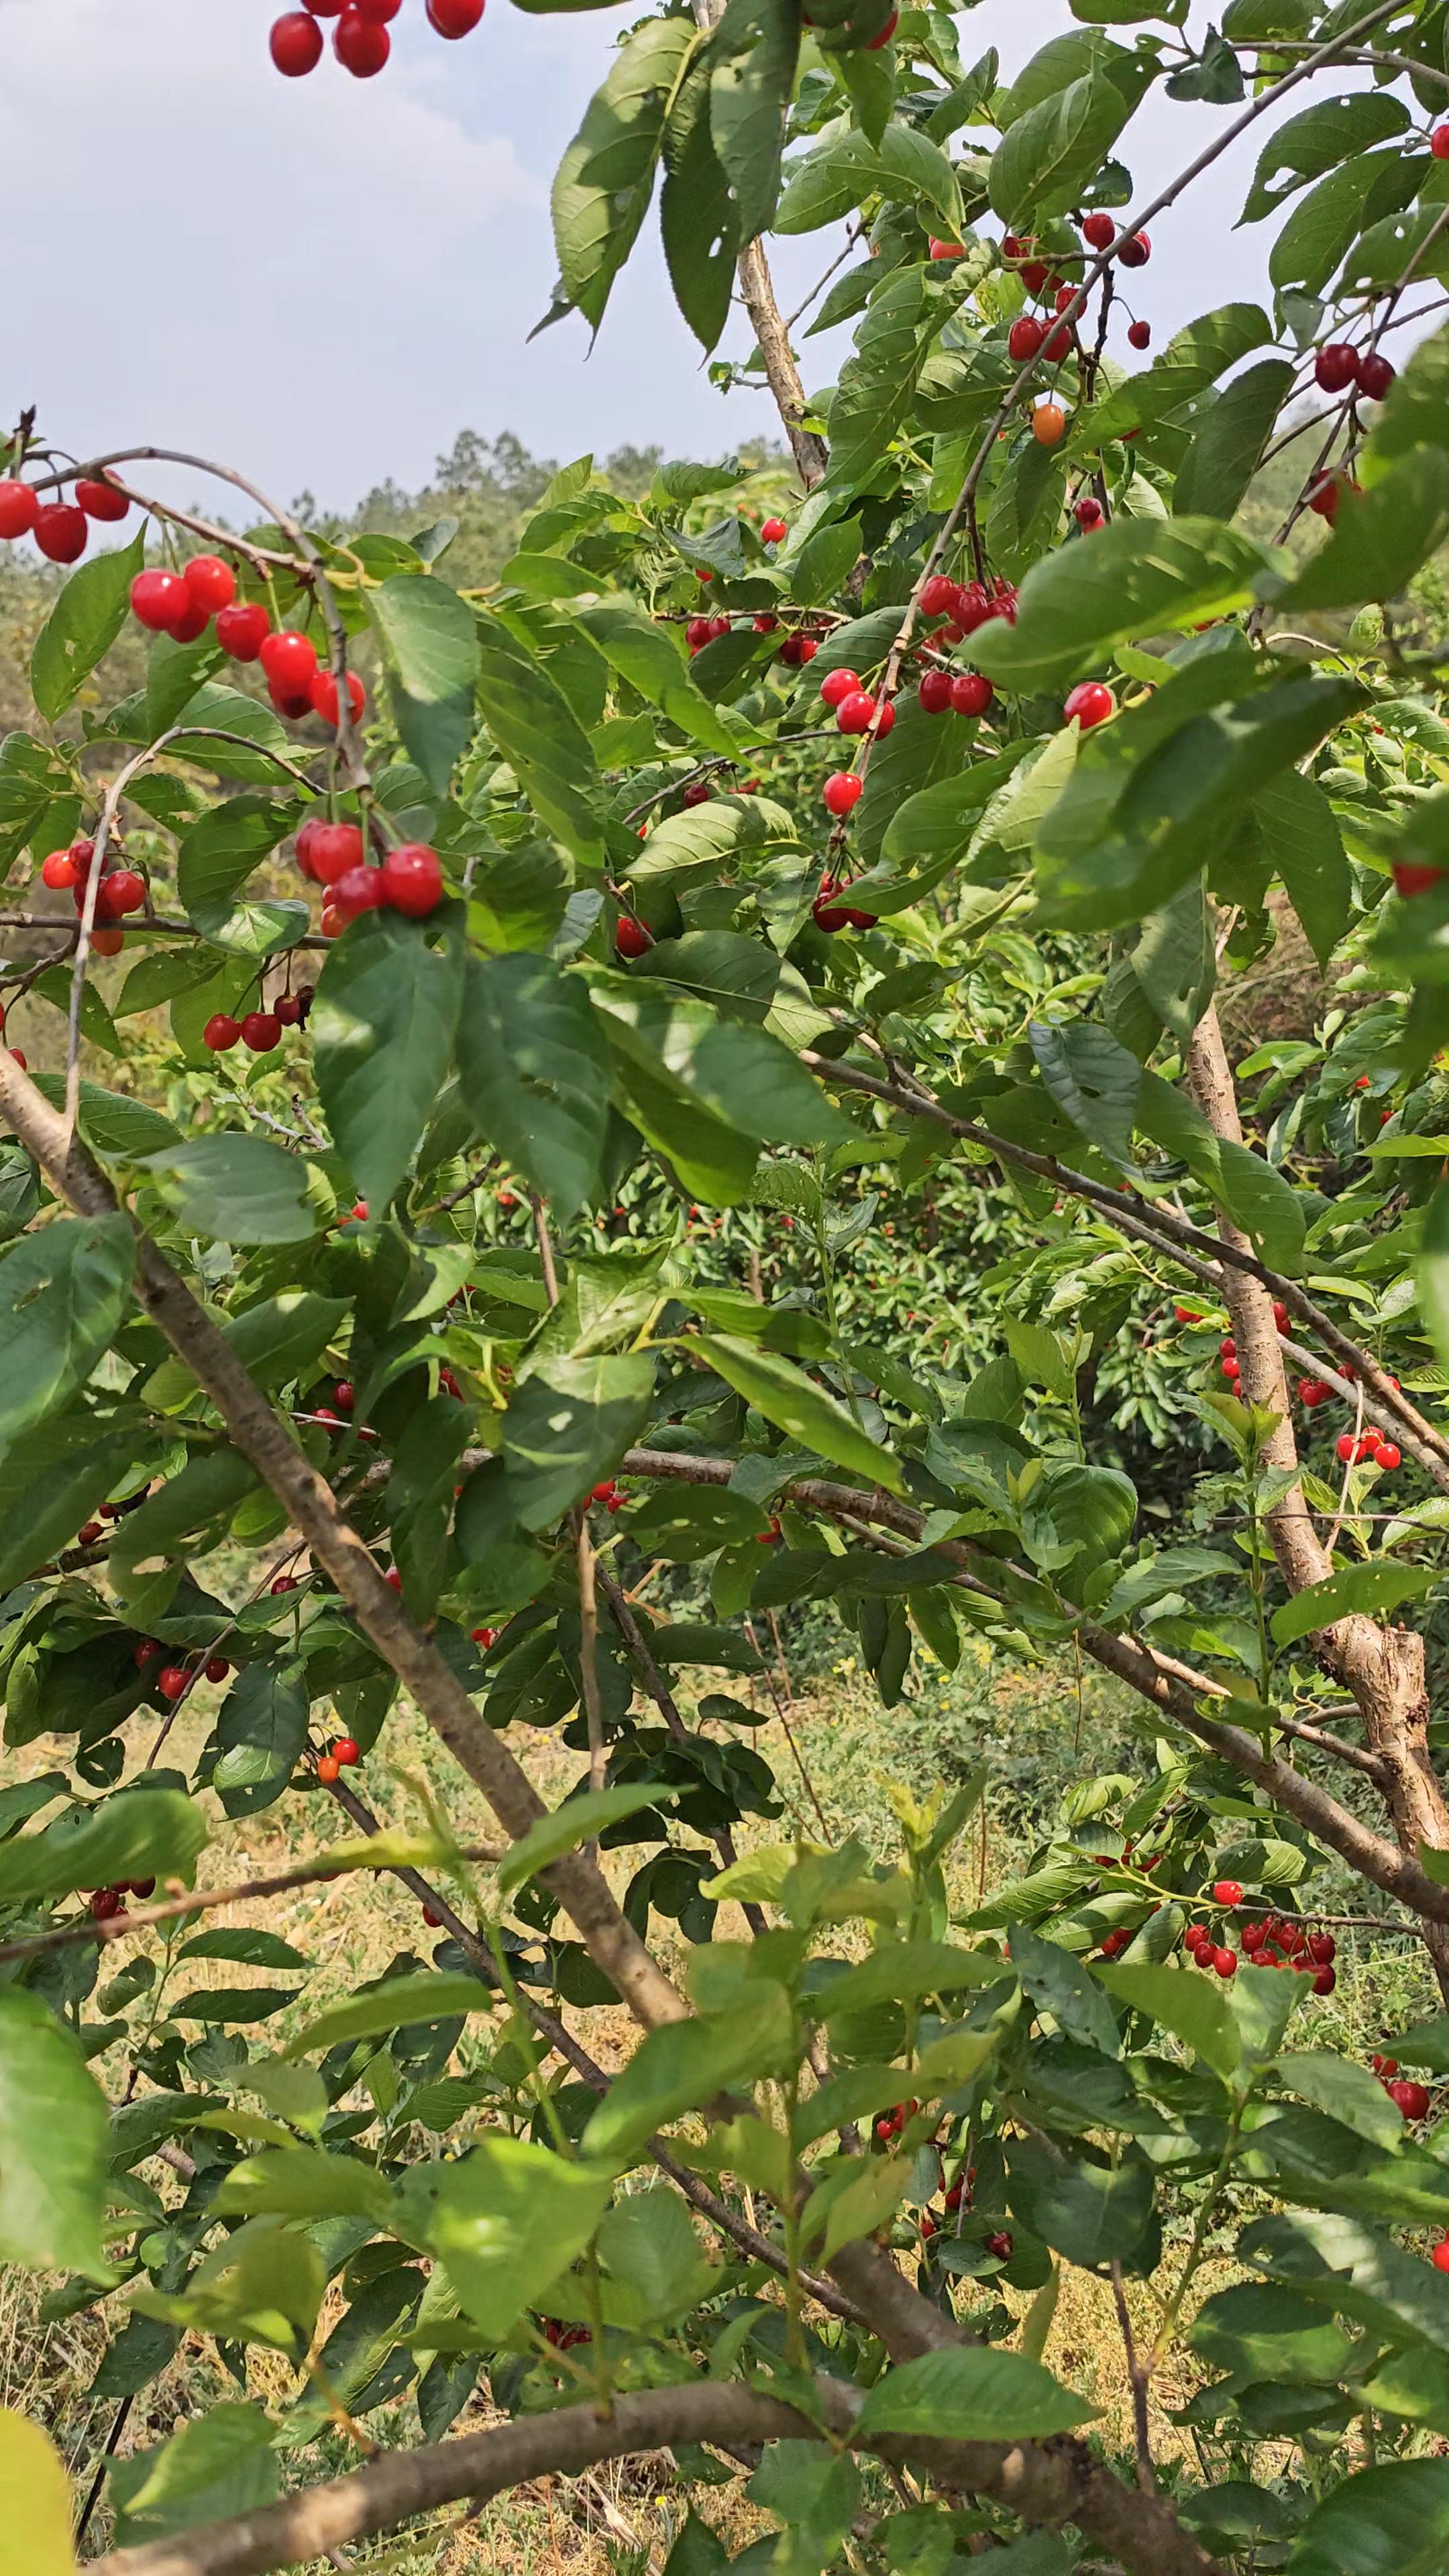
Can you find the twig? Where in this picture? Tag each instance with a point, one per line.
(589, 1648)
(1137, 2377)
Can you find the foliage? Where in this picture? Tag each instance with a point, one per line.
(567, 1233)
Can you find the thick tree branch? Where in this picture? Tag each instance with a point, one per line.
(1045, 2483)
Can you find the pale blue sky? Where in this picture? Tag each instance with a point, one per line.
(323, 280)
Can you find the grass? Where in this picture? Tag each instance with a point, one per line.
(832, 1748)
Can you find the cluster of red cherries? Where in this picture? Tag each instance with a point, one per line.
(1272, 1943)
(183, 604)
(340, 1756)
(1413, 2100)
(173, 1681)
(334, 856)
(611, 1498)
(260, 1031)
(60, 528)
(108, 1904)
(121, 890)
(360, 39)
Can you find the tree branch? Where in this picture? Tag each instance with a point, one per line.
(1045, 2483)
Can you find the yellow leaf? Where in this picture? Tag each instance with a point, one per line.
(34, 2500)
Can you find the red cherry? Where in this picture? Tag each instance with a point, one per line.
(774, 532)
(361, 47)
(1375, 374)
(61, 531)
(333, 850)
(1415, 876)
(999, 2244)
(211, 582)
(1439, 142)
(432, 1920)
(842, 790)
(1135, 251)
(971, 693)
(697, 793)
(1440, 2256)
(323, 694)
(1225, 1962)
(121, 892)
(288, 1010)
(1336, 367)
(1088, 512)
(328, 1769)
(358, 1211)
(1387, 1456)
(854, 711)
(1025, 337)
(412, 880)
(217, 1668)
(106, 1903)
(1090, 703)
(241, 631)
(108, 943)
(1280, 1315)
(261, 1031)
(1347, 1448)
(1412, 2099)
(828, 916)
(295, 43)
(344, 1395)
(289, 662)
(221, 1031)
(837, 686)
(1098, 231)
(99, 498)
(1322, 1948)
(58, 870)
(157, 597)
(698, 633)
(393, 1577)
(934, 692)
(190, 620)
(454, 18)
(19, 509)
(1139, 335)
(285, 1583)
(938, 595)
(172, 1680)
(346, 1750)
(359, 890)
(631, 939)
(1226, 1891)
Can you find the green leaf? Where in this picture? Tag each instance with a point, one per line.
(505, 2223)
(682, 2067)
(1193, 359)
(1196, 2012)
(220, 2464)
(1046, 157)
(216, 858)
(48, 1487)
(575, 1822)
(394, 2005)
(430, 642)
(1300, 828)
(843, 172)
(263, 2284)
(606, 177)
(261, 1732)
(63, 1295)
(1088, 2213)
(35, 2503)
(304, 2182)
(1432, 1270)
(1392, 2521)
(697, 220)
(52, 2143)
(236, 1189)
(904, 1972)
(1136, 577)
(568, 1425)
(1317, 140)
(878, 379)
(1380, 538)
(1227, 442)
(1369, 1588)
(969, 2394)
(538, 733)
(143, 1833)
(647, 656)
(752, 79)
(83, 624)
(1346, 2092)
(789, 1399)
(534, 1072)
(382, 1031)
(1093, 1078)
